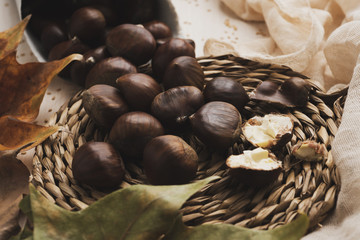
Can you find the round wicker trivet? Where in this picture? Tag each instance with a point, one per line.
(311, 188)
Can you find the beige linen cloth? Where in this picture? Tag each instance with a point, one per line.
(320, 38)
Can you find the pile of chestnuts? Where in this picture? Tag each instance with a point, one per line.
(146, 115)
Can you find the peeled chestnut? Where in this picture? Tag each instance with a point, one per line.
(88, 24)
(168, 159)
(174, 106)
(132, 131)
(51, 35)
(80, 69)
(98, 165)
(184, 71)
(158, 29)
(139, 90)
(227, 90)
(217, 124)
(108, 70)
(104, 104)
(165, 53)
(132, 42)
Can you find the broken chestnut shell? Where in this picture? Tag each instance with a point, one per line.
(269, 131)
(158, 29)
(87, 24)
(165, 53)
(255, 168)
(132, 42)
(168, 159)
(104, 104)
(227, 90)
(216, 124)
(139, 90)
(108, 70)
(132, 131)
(98, 165)
(293, 92)
(184, 71)
(174, 106)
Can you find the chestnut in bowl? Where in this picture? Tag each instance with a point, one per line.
(108, 70)
(132, 42)
(158, 29)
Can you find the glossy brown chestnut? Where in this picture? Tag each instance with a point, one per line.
(168, 159)
(104, 104)
(132, 42)
(217, 124)
(98, 165)
(132, 131)
(108, 70)
(184, 71)
(227, 90)
(139, 90)
(80, 69)
(158, 29)
(88, 24)
(51, 35)
(64, 49)
(174, 106)
(165, 53)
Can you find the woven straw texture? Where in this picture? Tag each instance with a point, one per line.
(309, 187)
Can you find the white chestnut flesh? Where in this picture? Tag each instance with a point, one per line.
(269, 130)
(256, 167)
(310, 151)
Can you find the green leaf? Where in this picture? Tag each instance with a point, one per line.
(137, 212)
(292, 231)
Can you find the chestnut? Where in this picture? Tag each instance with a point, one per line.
(158, 29)
(132, 131)
(80, 69)
(216, 124)
(309, 150)
(98, 165)
(293, 92)
(51, 35)
(64, 49)
(165, 53)
(174, 106)
(104, 104)
(132, 42)
(88, 24)
(108, 70)
(227, 90)
(272, 130)
(139, 90)
(257, 167)
(168, 159)
(184, 71)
